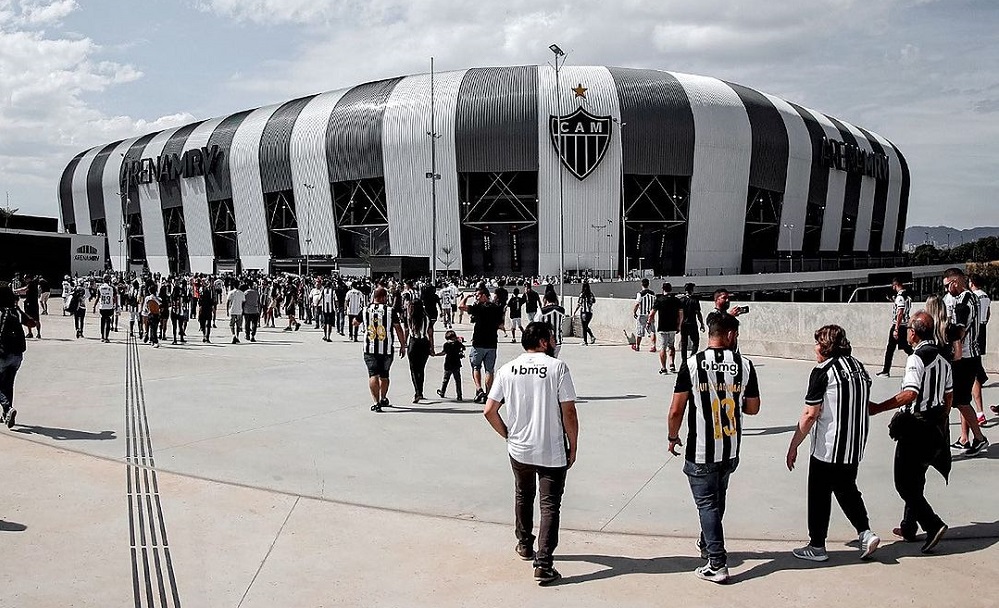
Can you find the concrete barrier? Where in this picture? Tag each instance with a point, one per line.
(784, 329)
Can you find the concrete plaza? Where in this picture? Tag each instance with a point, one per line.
(255, 475)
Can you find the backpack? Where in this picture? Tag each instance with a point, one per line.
(11, 335)
(154, 306)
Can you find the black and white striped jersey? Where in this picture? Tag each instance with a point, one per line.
(355, 301)
(646, 299)
(586, 303)
(327, 300)
(842, 388)
(901, 302)
(379, 320)
(718, 381)
(963, 310)
(553, 315)
(928, 373)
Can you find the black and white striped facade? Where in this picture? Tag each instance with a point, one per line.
(705, 175)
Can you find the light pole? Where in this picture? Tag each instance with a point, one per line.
(790, 252)
(308, 226)
(624, 222)
(558, 52)
(433, 176)
(600, 233)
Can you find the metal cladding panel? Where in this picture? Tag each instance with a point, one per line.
(880, 197)
(903, 201)
(95, 183)
(894, 194)
(658, 133)
(818, 180)
(66, 209)
(170, 189)
(799, 169)
(768, 165)
(496, 120)
(832, 217)
(275, 163)
(194, 197)
(593, 200)
(247, 193)
(354, 136)
(134, 153)
(152, 213)
(868, 185)
(112, 186)
(719, 186)
(219, 184)
(310, 175)
(407, 148)
(851, 201)
(81, 206)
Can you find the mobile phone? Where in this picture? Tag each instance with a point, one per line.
(743, 310)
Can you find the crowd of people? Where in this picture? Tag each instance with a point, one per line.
(714, 388)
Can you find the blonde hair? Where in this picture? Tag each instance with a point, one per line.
(936, 308)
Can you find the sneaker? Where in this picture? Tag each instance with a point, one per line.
(547, 575)
(376, 407)
(957, 445)
(384, 402)
(899, 533)
(882, 375)
(652, 350)
(634, 348)
(440, 393)
(812, 554)
(672, 368)
(235, 340)
(287, 328)
(995, 409)
(458, 399)
(982, 420)
(977, 447)
(715, 574)
(525, 552)
(253, 339)
(10, 418)
(869, 542)
(298, 326)
(663, 371)
(932, 539)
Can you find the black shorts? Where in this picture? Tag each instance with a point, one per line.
(378, 365)
(965, 372)
(329, 318)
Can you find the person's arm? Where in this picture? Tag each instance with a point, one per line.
(402, 338)
(700, 319)
(491, 412)
(751, 402)
(571, 423)
(634, 309)
(679, 317)
(948, 403)
(463, 305)
(904, 397)
(805, 424)
(652, 317)
(675, 419)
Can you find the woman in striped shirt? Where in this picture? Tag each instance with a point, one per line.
(585, 309)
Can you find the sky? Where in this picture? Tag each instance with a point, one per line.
(78, 73)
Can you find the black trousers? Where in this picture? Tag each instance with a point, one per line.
(900, 341)
(418, 352)
(354, 329)
(585, 318)
(824, 480)
(107, 320)
(688, 332)
(912, 459)
(250, 323)
(456, 374)
(78, 317)
(528, 479)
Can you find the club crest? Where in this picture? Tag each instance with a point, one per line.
(581, 140)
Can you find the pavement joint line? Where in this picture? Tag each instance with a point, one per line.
(669, 459)
(269, 550)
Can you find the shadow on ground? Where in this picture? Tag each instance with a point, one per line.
(64, 434)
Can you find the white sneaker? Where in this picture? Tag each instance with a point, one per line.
(715, 575)
(812, 554)
(869, 542)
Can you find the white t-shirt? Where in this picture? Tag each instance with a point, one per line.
(235, 300)
(983, 302)
(105, 297)
(532, 387)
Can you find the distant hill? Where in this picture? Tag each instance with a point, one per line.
(939, 235)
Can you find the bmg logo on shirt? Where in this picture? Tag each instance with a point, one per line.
(541, 371)
(728, 367)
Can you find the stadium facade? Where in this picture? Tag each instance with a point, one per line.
(705, 176)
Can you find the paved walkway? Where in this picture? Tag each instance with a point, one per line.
(254, 475)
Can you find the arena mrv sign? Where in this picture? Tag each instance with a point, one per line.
(193, 163)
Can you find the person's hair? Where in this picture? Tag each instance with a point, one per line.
(534, 333)
(897, 281)
(954, 273)
(922, 324)
(450, 335)
(719, 325)
(7, 298)
(976, 279)
(417, 313)
(937, 311)
(380, 293)
(689, 288)
(720, 291)
(551, 298)
(832, 341)
(482, 291)
(584, 291)
(516, 291)
(667, 287)
(645, 283)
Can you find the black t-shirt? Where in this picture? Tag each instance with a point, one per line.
(453, 352)
(488, 317)
(514, 304)
(431, 303)
(531, 301)
(667, 309)
(713, 314)
(691, 306)
(501, 295)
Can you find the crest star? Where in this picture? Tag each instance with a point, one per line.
(580, 90)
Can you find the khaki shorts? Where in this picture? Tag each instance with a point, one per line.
(665, 339)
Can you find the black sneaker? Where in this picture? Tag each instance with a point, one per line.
(882, 375)
(384, 402)
(977, 447)
(957, 445)
(545, 576)
(663, 371)
(10, 418)
(376, 407)
(933, 538)
(525, 552)
(440, 393)
(298, 326)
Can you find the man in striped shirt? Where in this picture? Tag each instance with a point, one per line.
(897, 334)
(328, 309)
(975, 284)
(836, 416)
(381, 326)
(553, 315)
(645, 300)
(920, 430)
(354, 302)
(719, 385)
(962, 312)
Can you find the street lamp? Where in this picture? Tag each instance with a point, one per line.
(433, 176)
(624, 218)
(600, 233)
(558, 52)
(790, 253)
(308, 226)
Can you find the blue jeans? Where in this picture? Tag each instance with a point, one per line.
(709, 484)
(8, 369)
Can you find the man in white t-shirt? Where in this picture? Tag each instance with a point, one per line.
(540, 431)
(234, 303)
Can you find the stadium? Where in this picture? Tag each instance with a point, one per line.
(604, 169)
